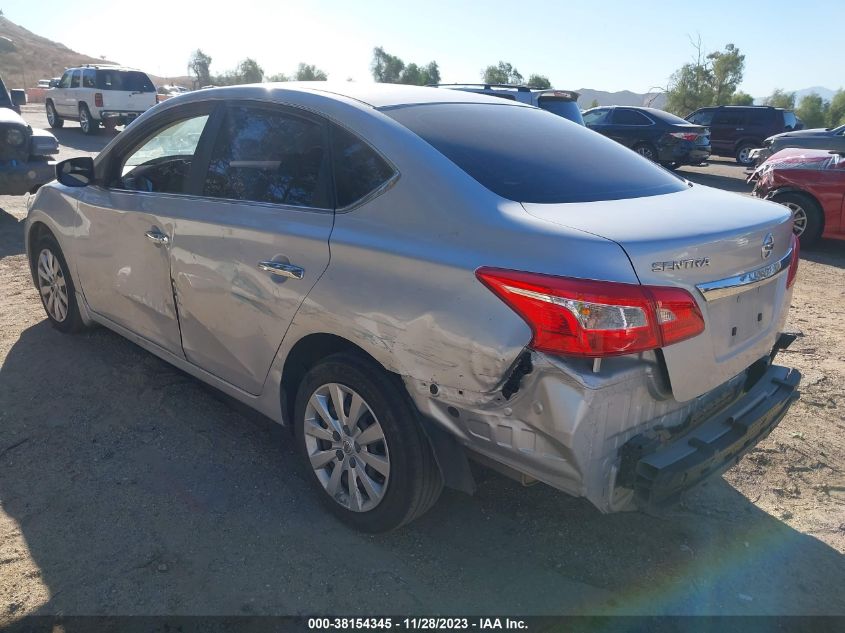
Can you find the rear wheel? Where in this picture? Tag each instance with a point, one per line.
(55, 286)
(807, 218)
(89, 124)
(370, 461)
(646, 150)
(53, 117)
(743, 154)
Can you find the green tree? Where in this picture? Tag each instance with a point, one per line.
(813, 111)
(540, 82)
(742, 98)
(836, 111)
(307, 72)
(278, 77)
(726, 69)
(386, 68)
(249, 72)
(594, 103)
(503, 73)
(780, 99)
(200, 65)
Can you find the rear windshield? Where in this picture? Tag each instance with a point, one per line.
(527, 155)
(129, 80)
(562, 107)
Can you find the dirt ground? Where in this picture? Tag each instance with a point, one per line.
(127, 487)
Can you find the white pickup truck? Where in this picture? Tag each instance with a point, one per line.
(111, 95)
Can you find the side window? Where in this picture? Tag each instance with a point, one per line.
(705, 117)
(595, 116)
(89, 78)
(65, 82)
(358, 170)
(266, 156)
(74, 83)
(162, 162)
(729, 117)
(629, 117)
(789, 120)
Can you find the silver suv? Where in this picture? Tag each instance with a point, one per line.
(560, 102)
(111, 95)
(409, 277)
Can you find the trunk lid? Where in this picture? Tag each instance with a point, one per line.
(689, 239)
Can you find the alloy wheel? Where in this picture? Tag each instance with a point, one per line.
(744, 155)
(84, 121)
(799, 218)
(52, 285)
(51, 114)
(347, 447)
(645, 152)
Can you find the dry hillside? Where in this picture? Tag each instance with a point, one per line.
(30, 57)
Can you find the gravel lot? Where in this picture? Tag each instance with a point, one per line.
(127, 487)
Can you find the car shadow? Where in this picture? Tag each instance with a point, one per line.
(72, 136)
(830, 252)
(737, 185)
(137, 492)
(11, 235)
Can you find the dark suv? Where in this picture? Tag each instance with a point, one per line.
(736, 130)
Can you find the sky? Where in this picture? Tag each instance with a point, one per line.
(608, 45)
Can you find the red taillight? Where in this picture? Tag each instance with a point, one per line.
(578, 317)
(687, 136)
(98, 99)
(793, 263)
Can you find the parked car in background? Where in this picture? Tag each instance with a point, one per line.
(832, 139)
(811, 183)
(43, 83)
(167, 91)
(111, 95)
(736, 130)
(560, 102)
(410, 276)
(24, 152)
(657, 135)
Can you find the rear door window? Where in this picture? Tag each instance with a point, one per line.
(729, 117)
(358, 169)
(621, 116)
(89, 78)
(75, 81)
(523, 154)
(266, 155)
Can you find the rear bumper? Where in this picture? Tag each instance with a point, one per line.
(660, 472)
(121, 116)
(20, 178)
(685, 153)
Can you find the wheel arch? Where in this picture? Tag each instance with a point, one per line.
(747, 139)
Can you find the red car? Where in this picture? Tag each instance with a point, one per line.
(811, 182)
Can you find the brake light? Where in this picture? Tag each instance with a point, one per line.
(578, 317)
(98, 99)
(793, 263)
(687, 136)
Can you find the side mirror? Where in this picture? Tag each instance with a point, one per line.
(18, 97)
(76, 172)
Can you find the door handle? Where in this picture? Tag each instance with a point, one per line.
(282, 270)
(157, 237)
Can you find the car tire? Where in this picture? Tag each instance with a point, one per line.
(53, 117)
(807, 217)
(742, 152)
(646, 150)
(55, 286)
(89, 124)
(672, 166)
(396, 476)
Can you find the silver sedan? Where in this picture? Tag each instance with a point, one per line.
(411, 277)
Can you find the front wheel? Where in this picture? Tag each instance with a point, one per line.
(55, 286)
(807, 218)
(743, 154)
(89, 124)
(370, 460)
(53, 117)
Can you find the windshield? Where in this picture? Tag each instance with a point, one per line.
(128, 80)
(527, 155)
(562, 107)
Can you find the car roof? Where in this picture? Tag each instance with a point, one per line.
(375, 95)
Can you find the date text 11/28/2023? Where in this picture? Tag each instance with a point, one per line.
(418, 623)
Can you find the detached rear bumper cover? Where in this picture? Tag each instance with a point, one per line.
(715, 445)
